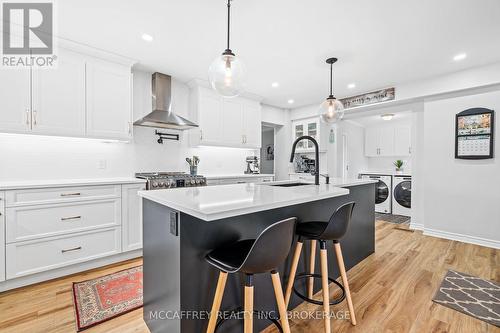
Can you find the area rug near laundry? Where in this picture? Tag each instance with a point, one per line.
(471, 295)
(396, 219)
(101, 299)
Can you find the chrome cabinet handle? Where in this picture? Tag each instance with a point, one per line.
(70, 194)
(72, 249)
(27, 116)
(129, 127)
(409, 150)
(71, 218)
(201, 135)
(34, 117)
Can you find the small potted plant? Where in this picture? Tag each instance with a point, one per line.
(399, 165)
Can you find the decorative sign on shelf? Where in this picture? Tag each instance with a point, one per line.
(373, 97)
(474, 130)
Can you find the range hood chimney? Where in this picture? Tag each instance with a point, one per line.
(162, 115)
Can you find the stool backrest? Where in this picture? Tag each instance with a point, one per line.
(339, 222)
(270, 248)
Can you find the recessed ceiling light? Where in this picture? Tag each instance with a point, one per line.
(460, 56)
(291, 101)
(275, 84)
(351, 85)
(147, 38)
(387, 116)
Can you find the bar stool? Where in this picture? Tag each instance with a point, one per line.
(253, 256)
(322, 232)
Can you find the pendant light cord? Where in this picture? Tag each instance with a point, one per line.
(331, 79)
(228, 22)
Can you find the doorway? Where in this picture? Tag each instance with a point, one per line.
(345, 156)
(267, 150)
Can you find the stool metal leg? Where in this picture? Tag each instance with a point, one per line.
(293, 271)
(312, 262)
(278, 292)
(248, 316)
(219, 292)
(343, 274)
(324, 285)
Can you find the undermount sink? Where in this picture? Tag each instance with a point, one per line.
(290, 184)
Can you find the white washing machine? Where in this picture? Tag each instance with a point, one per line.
(401, 195)
(383, 193)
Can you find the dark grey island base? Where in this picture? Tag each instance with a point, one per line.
(178, 282)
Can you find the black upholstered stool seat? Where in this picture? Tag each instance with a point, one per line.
(230, 258)
(311, 230)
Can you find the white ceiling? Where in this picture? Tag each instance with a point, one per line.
(378, 43)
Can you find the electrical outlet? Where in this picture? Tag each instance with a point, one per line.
(102, 164)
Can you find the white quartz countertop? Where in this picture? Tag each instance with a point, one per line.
(25, 184)
(339, 182)
(387, 172)
(222, 201)
(239, 175)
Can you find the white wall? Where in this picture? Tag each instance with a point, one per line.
(461, 197)
(41, 157)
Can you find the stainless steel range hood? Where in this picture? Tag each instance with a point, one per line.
(162, 115)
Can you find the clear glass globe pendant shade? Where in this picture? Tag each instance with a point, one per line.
(227, 75)
(331, 110)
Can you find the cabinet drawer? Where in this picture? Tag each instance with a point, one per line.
(226, 181)
(38, 256)
(61, 194)
(31, 222)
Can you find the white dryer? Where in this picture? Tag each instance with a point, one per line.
(401, 195)
(383, 193)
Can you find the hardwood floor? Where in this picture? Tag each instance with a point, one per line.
(391, 290)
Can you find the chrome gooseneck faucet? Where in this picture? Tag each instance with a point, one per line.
(316, 151)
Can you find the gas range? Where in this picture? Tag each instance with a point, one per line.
(163, 180)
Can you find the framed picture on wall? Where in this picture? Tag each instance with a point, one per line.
(474, 130)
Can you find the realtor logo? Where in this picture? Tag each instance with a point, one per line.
(28, 28)
(28, 34)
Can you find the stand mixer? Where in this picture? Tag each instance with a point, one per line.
(252, 165)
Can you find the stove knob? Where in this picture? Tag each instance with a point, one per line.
(192, 182)
(198, 181)
(161, 184)
(155, 185)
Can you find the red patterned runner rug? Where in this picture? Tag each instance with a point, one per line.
(101, 299)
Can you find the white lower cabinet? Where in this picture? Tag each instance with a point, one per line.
(43, 229)
(131, 217)
(30, 257)
(241, 180)
(2, 236)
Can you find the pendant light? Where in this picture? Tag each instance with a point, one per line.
(227, 72)
(332, 109)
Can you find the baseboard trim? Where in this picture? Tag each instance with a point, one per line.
(63, 271)
(416, 226)
(462, 238)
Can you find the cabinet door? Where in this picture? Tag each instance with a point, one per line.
(386, 141)
(402, 141)
(299, 129)
(312, 130)
(252, 125)
(2, 236)
(15, 111)
(108, 100)
(232, 122)
(59, 97)
(371, 142)
(131, 217)
(210, 117)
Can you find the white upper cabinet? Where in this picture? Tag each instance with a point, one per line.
(59, 97)
(109, 112)
(387, 141)
(225, 122)
(232, 122)
(15, 100)
(311, 127)
(82, 96)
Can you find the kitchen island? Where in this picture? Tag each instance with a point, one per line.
(182, 225)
